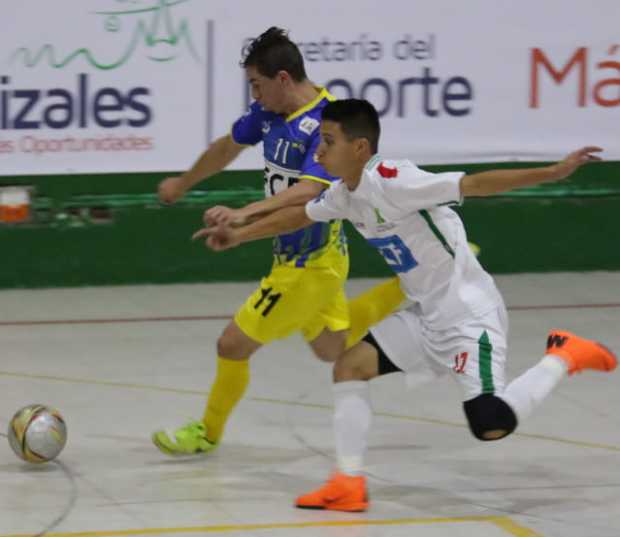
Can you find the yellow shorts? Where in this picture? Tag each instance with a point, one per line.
(291, 299)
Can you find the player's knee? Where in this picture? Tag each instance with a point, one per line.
(489, 417)
(231, 347)
(225, 346)
(328, 352)
(358, 363)
(325, 355)
(347, 369)
(329, 346)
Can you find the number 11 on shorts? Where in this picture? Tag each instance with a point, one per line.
(268, 299)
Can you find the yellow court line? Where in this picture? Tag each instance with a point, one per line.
(419, 419)
(504, 523)
(513, 528)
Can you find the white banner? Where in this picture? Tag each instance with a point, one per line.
(144, 85)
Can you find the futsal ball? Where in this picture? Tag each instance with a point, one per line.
(37, 433)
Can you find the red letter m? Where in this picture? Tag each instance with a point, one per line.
(538, 58)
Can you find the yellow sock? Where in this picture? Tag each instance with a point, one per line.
(371, 307)
(230, 382)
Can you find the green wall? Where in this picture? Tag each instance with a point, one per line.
(110, 229)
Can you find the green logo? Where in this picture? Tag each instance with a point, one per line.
(380, 219)
(152, 27)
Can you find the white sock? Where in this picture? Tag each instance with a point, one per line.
(526, 392)
(352, 417)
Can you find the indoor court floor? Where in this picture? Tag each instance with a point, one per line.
(120, 362)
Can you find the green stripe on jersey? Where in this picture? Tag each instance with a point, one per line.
(436, 231)
(485, 350)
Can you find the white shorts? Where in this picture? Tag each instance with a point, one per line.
(473, 353)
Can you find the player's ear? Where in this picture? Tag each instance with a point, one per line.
(284, 77)
(362, 146)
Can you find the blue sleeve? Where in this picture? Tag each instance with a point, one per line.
(311, 169)
(248, 129)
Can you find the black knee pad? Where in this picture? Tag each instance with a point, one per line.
(386, 366)
(487, 412)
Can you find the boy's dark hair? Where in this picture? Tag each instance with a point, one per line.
(357, 119)
(273, 51)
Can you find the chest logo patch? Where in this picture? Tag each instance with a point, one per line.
(387, 173)
(308, 125)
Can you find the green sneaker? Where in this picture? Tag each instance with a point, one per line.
(190, 439)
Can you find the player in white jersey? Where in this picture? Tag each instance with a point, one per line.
(457, 323)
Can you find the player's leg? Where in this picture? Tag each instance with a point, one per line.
(267, 314)
(476, 355)
(328, 346)
(352, 404)
(346, 488)
(278, 308)
(372, 306)
(492, 411)
(326, 333)
(566, 354)
(285, 301)
(375, 304)
(323, 296)
(234, 349)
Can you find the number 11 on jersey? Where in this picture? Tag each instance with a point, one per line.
(287, 144)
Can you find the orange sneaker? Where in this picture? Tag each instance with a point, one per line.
(580, 353)
(340, 493)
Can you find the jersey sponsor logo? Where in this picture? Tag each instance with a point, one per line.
(266, 127)
(278, 179)
(382, 223)
(308, 125)
(387, 173)
(395, 252)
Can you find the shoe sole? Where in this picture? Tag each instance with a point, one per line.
(349, 508)
(171, 453)
(161, 447)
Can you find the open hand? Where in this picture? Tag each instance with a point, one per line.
(574, 160)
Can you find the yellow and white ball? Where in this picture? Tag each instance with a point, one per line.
(37, 433)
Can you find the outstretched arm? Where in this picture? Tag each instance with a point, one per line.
(219, 154)
(298, 194)
(223, 237)
(497, 181)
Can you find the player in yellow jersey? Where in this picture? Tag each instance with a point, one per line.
(304, 291)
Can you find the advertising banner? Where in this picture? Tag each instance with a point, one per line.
(107, 86)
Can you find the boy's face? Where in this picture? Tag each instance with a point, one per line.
(336, 153)
(270, 93)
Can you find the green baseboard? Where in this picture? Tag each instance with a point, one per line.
(88, 233)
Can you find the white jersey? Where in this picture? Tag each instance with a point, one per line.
(402, 211)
